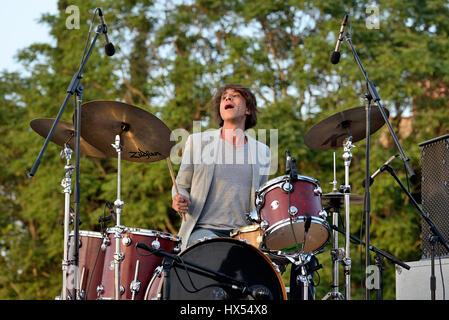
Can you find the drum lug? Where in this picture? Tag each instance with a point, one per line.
(106, 242)
(126, 241)
(293, 211)
(100, 289)
(156, 244)
(82, 294)
(323, 214)
(134, 286)
(318, 191)
(264, 225)
(287, 187)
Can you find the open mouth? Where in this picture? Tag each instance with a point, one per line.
(229, 106)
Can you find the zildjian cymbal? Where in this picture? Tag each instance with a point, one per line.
(332, 131)
(64, 133)
(143, 136)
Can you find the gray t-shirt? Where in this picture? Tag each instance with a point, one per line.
(229, 196)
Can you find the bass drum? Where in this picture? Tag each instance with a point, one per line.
(236, 261)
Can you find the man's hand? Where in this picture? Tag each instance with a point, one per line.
(180, 203)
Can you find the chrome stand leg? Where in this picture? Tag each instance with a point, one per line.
(66, 184)
(347, 156)
(118, 257)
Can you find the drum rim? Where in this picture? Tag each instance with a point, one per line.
(87, 233)
(279, 179)
(258, 251)
(249, 228)
(286, 221)
(146, 232)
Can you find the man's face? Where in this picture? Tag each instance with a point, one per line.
(233, 106)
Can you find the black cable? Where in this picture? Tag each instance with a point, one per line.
(441, 271)
(88, 35)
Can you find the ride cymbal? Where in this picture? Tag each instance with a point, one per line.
(332, 131)
(64, 133)
(143, 136)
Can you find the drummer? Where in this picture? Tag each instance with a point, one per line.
(221, 170)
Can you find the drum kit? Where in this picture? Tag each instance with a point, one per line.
(288, 226)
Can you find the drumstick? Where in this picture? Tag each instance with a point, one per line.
(174, 183)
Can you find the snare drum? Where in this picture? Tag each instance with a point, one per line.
(286, 208)
(252, 234)
(236, 262)
(90, 263)
(137, 267)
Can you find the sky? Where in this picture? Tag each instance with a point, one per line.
(19, 28)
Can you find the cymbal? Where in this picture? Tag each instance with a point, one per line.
(143, 136)
(338, 198)
(332, 131)
(64, 133)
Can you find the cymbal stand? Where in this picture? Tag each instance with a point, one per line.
(66, 184)
(118, 257)
(336, 253)
(347, 157)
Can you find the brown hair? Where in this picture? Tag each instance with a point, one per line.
(251, 103)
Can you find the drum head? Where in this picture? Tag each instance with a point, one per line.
(288, 236)
(233, 258)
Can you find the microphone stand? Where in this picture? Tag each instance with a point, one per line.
(370, 97)
(434, 238)
(75, 89)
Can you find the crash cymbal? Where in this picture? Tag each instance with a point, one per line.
(143, 137)
(338, 198)
(64, 133)
(332, 131)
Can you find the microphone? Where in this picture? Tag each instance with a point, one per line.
(379, 171)
(290, 166)
(288, 162)
(335, 57)
(260, 292)
(307, 223)
(109, 47)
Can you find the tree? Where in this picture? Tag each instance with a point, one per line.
(170, 58)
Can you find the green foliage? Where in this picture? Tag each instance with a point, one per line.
(171, 57)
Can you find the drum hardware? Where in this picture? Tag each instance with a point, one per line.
(337, 253)
(380, 254)
(300, 260)
(135, 284)
(66, 184)
(253, 216)
(156, 275)
(118, 256)
(81, 291)
(347, 157)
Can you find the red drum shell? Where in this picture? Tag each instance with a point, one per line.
(147, 261)
(274, 212)
(90, 263)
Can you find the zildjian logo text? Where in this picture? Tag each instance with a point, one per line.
(144, 154)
